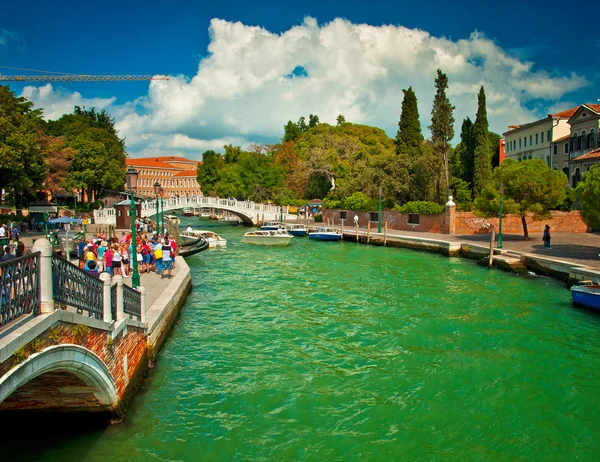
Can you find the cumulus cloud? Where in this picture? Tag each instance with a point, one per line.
(253, 81)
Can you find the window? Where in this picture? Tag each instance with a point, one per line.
(549, 138)
(566, 169)
(591, 140)
(555, 149)
(342, 215)
(567, 148)
(374, 216)
(536, 138)
(583, 140)
(530, 140)
(413, 218)
(542, 136)
(519, 143)
(576, 177)
(525, 142)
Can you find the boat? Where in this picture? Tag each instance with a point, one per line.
(193, 248)
(272, 225)
(297, 230)
(267, 237)
(214, 240)
(173, 219)
(326, 234)
(188, 212)
(587, 296)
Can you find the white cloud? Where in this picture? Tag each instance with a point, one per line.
(242, 91)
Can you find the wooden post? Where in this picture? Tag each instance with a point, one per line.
(492, 247)
(369, 231)
(342, 229)
(357, 231)
(385, 235)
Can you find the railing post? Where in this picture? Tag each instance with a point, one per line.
(120, 312)
(106, 283)
(46, 294)
(142, 291)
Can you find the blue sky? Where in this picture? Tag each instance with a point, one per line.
(355, 58)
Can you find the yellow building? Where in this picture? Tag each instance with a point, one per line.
(177, 175)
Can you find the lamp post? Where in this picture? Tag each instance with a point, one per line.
(132, 177)
(500, 224)
(161, 192)
(379, 214)
(156, 193)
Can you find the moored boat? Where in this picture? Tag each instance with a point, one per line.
(267, 237)
(187, 212)
(173, 219)
(586, 296)
(297, 229)
(272, 226)
(214, 240)
(326, 234)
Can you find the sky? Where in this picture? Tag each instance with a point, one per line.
(239, 70)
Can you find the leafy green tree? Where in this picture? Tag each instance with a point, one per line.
(409, 137)
(358, 201)
(442, 132)
(232, 153)
(313, 121)
(22, 163)
(466, 151)
(208, 172)
(495, 148)
(341, 120)
(482, 155)
(530, 187)
(302, 124)
(291, 132)
(588, 191)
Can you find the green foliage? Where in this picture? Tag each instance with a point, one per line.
(208, 171)
(529, 187)
(461, 191)
(80, 332)
(54, 335)
(291, 131)
(20, 355)
(466, 151)
(358, 201)
(409, 137)
(482, 155)
(332, 203)
(318, 218)
(341, 120)
(421, 207)
(313, 121)
(588, 191)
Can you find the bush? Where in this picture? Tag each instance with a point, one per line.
(332, 203)
(421, 207)
(358, 201)
(319, 218)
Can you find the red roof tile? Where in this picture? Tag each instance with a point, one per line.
(595, 154)
(188, 173)
(594, 107)
(566, 114)
(148, 162)
(175, 159)
(563, 138)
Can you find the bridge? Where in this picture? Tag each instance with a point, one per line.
(249, 212)
(70, 342)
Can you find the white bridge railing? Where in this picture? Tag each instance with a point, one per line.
(248, 211)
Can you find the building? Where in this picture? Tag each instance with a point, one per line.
(533, 140)
(177, 175)
(584, 141)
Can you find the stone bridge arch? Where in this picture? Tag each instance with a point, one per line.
(70, 359)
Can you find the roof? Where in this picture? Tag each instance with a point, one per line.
(187, 173)
(567, 113)
(562, 138)
(593, 107)
(151, 162)
(176, 159)
(595, 154)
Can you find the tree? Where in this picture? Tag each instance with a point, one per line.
(208, 171)
(341, 120)
(442, 132)
(291, 132)
(313, 121)
(530, 187)
(58, 159)
(22, 164)
(465, 150)
(588, 191)
(409, 137)
(482, 154)
(302, 124)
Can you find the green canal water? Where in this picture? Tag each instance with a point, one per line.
(340, 351)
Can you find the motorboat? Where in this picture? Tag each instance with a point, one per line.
(193, 247)
(587, 296)
(272, 226)
(267, 237)
(174, 220)
(214, 240)
(326, 234)
(188, 212)
(297, 230)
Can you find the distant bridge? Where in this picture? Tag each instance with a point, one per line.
(250, 213)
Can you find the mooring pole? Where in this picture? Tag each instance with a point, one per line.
(492, 246)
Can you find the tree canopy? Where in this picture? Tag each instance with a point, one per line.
(588, 191)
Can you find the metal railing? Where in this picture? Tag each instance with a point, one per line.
(75, 287)
(20, 290)
(132, 302)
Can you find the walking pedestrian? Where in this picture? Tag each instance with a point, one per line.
(547, 237)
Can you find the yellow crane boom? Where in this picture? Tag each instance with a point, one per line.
(76, 78)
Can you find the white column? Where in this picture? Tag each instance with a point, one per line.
(106, 283)
(120, 313)
(142, 291)
(46, 294)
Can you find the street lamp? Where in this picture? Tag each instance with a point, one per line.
(161, 192)
(500, 224)
(132, 178)
(156, 193)
(379, 214)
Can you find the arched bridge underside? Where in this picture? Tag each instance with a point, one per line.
(61, 377)
(250, 213)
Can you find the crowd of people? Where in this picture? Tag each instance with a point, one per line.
(115, 255)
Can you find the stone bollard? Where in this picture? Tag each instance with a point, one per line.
(120, 313)
(142, 291)
(450, 217)
(106, 301)
(46, 293)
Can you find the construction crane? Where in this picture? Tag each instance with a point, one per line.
(65, 77)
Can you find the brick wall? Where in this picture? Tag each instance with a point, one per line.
(395, 220)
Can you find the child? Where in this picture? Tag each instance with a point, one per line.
(547, 237)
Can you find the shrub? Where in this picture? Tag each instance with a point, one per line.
(421, 207)
(319, 218)
(332, 203)
(358, 201)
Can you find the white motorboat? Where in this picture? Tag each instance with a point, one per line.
(188, 212)
(272, 225)
(267, 237)
(214, 240)
(297, 229)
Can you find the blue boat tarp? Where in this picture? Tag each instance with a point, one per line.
(64, 220)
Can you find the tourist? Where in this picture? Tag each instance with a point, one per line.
(7, 254)
(117, 259)
(92, 269)
(125, 260)
(108, 259)
(20, 249)
(146, 256)
(15, 232)
(167, 261)
(189, 229)
(547, 237)
(2, 231)
(101, 252)
(158, 257)
(356, 221)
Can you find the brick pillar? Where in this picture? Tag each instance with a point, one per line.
(46, 293)
(106, 283)
(450, 217)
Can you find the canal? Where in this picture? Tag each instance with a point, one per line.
(341, 351)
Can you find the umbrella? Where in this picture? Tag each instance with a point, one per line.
(64, 220)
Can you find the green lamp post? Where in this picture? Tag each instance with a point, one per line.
(156, 193)
(500, 221)
(161, 192)
(379, 214)
(132, 178)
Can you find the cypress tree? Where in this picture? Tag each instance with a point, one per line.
(409, 136)
(482, 153)
(442, 132)
(466, 150)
